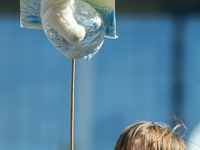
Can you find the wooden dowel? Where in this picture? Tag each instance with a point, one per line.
(72, 107)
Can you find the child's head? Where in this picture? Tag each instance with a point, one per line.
(150, 136)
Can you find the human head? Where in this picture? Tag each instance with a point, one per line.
(150, 136)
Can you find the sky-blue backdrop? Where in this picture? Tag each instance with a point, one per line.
(128, 80)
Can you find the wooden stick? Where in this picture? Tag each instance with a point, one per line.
(72, 107)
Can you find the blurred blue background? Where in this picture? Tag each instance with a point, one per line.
(150, 73)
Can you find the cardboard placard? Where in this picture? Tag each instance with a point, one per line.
(30, 14)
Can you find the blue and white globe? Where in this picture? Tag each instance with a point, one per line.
(88, 17)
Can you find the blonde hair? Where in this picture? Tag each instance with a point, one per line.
(150, 136)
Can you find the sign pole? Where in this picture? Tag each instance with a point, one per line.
(72, 107)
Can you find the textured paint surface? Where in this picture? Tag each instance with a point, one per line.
(30, 14)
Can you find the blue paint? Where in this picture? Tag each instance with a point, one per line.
(30, 13)
(108, 15)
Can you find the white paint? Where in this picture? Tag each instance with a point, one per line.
(58, 14)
